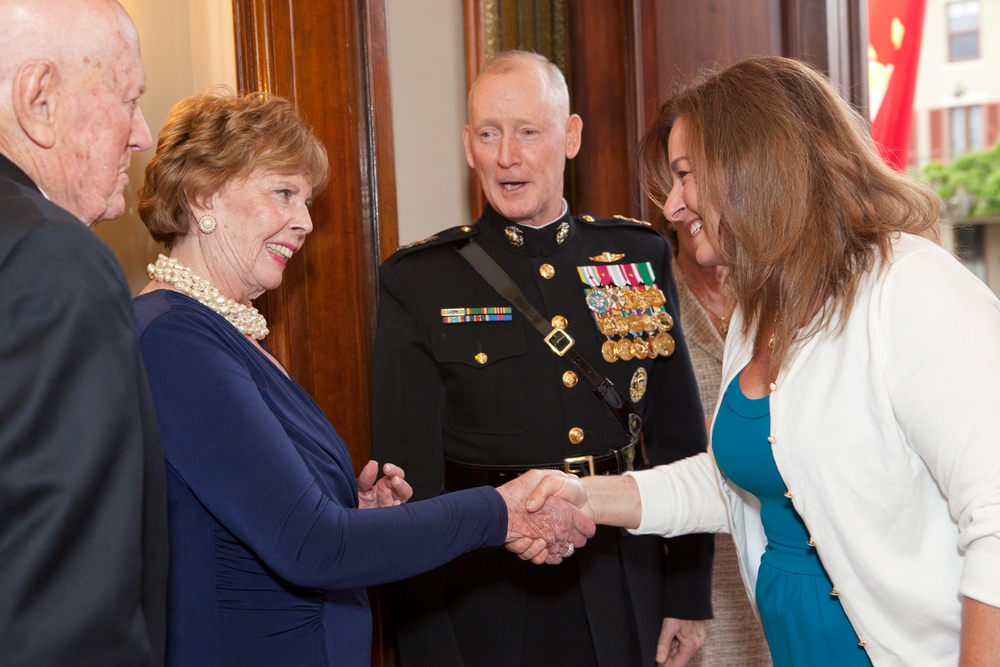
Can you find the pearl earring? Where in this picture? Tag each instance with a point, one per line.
(207, 224)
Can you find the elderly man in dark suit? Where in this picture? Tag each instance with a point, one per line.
(467, 392)
(82, 503)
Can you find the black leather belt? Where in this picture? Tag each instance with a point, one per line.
(458, 476)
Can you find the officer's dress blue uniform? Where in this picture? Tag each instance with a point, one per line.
(458, 376)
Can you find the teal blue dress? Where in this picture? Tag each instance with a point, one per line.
(804, 623)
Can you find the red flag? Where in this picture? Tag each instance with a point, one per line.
(894, 31)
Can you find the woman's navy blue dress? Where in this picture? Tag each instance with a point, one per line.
(804, 624)
(269, 557)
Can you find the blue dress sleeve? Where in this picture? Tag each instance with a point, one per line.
(256, 471)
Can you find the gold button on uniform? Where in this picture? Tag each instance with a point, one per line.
(576, 435)
(559, 322)
(570, 379)
(547, 271)
(466, 229)
(481, 358)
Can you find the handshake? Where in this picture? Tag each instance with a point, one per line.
(549, 513)
(552, 513)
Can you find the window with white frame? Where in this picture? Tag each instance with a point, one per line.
(963, 30)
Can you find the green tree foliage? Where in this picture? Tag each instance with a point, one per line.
(969, 186)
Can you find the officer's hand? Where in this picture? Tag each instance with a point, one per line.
(679, 640)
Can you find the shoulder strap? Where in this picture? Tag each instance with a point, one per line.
(558, 340)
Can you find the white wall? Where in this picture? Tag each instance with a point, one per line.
(427, 78)
(187, 47)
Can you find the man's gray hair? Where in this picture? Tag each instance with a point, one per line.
(515, 60)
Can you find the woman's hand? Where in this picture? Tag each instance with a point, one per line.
(392, 489)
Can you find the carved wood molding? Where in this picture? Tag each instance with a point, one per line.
(330, 58)
(492, 26)
(833, 36)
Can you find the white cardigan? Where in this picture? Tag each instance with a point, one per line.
(888, 438)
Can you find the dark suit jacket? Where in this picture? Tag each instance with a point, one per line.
(83, 542)
(492, 392)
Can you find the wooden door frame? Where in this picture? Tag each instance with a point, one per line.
(330, 58)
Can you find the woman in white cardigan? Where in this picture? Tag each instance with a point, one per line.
(857, 442)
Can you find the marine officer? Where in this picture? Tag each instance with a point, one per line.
(470, 388)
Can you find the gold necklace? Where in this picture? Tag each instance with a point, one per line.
(244, 317)
(723, 326)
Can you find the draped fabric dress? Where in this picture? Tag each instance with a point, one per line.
(269, 557)
(735, 637)
(803, 620)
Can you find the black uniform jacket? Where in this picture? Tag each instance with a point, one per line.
(458, 376)
(83, 526)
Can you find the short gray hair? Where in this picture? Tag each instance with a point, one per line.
(515, 60)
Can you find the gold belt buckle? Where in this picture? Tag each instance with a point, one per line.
(568, 465)
(559, 341)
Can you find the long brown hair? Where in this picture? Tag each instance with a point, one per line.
(807, 208)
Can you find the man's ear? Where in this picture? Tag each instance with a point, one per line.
(467, 142)
(574, 135)
(36, 101)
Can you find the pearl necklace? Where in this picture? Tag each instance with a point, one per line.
(243, 317)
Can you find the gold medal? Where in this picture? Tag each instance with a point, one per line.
(641, 349)
(664, 344)
(632, 299)
(664, 321)
(654, 297)
(637, 387)
(606, 325)
(624, 348)
(609, 351)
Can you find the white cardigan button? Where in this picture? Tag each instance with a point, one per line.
(861, 642)
(811, 542)
(788, 494)
(771, 439)
(835, 593)
(773, 386)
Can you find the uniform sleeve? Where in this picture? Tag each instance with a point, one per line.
(407, 397)
(675, 429)
(407, 392)
(224, 442)
(942, 370)
(72, 458)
